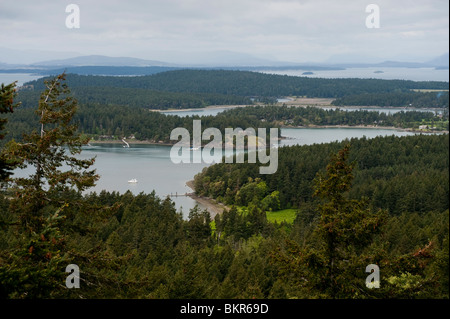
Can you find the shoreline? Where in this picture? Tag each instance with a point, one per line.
(400, 129)
(209, 107)
(132, 142)
(296, 102)
(210, 204)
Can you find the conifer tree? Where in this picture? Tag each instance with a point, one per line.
(335, 266)
(34, 266)
(7, 105)
(346, 226)
(49, 150)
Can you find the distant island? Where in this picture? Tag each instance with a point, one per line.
(378, 71)
(307, 73)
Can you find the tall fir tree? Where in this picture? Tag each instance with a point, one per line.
(334, 267)
(34, 264)
(7, 105)
(346, 226)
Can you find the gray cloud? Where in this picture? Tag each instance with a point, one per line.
(293, 30)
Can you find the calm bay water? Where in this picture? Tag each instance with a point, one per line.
(21, 78)
(199, 112)
(309, 136)
(150, 165)
(384, 73)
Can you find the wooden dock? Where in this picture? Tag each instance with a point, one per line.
(180, 195)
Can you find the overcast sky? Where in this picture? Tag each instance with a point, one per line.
(168, 30)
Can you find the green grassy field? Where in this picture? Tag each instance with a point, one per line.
(287, 215)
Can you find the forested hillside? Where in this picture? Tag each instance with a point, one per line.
(202, 87)
(142, 98)
(245, 83)
(399, 99)
(113, 122)
(400, 174)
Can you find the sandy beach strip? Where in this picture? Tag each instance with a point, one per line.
(209, 204)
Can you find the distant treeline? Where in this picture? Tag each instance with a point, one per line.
(305, 116)
(142, 98)
(117, 121)
(240, 85)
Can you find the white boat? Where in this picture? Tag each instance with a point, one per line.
(134, 180)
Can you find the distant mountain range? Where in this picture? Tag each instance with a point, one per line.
(101, 60)
(440, 61)
(100, 64)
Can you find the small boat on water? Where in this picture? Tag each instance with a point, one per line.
(134, 180)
